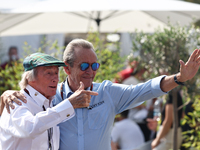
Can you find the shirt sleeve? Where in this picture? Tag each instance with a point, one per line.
(65, 109)
(129, 96)
(22, 123)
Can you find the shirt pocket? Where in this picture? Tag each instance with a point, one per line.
(97, 116)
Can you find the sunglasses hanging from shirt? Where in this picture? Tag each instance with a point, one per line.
(85, 66)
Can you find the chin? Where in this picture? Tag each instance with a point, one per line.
(87, 83)
(52, 93)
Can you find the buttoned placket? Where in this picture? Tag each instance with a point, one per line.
(79, 113)
(80, 129)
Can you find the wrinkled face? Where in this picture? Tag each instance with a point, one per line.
(76, 74)
(46, 80)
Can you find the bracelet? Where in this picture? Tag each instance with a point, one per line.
(179, 83)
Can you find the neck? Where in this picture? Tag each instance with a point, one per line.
(71, 87)
(76, 88)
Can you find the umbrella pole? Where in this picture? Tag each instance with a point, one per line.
(98, 21)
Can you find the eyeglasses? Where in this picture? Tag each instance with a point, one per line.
(85, 66)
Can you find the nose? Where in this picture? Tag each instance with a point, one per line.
(89, 69)
(55, 78)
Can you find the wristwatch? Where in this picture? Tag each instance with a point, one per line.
(179, 83)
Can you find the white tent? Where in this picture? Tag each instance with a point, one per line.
(67, 16)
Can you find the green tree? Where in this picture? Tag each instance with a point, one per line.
(192, 136)
(160, 53)
(10, 77)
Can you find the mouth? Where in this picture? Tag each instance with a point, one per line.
(53, 87)
(87, 77)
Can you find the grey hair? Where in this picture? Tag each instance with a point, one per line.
(28, 76)
(69, 56)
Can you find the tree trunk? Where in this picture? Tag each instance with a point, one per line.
(175, 114)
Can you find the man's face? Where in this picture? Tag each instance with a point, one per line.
(76, 74)
(46, 80)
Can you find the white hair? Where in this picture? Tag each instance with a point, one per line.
(26, 77)
(69, 56)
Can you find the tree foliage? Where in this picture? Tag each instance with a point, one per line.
(192, 136)
(161, 51)
(10, 77)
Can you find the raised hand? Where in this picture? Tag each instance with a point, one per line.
(81, 98)
(189, 69)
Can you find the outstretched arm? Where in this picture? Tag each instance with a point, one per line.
(187, 71)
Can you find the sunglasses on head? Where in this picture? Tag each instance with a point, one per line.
(85, 66)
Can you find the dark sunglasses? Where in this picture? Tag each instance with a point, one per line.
(85, 66)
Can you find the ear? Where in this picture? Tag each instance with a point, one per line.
(67, 68)
(31, 83)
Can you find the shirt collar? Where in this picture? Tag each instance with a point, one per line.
(38, 97)
(68, 88)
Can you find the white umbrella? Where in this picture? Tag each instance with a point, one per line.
(12, 4)
(64, 16)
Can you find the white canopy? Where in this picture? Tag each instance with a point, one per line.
(36, 6)
(77, 16)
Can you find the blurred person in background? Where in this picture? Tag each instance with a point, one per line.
(126, 134)
(13, 56)
(164, 137)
